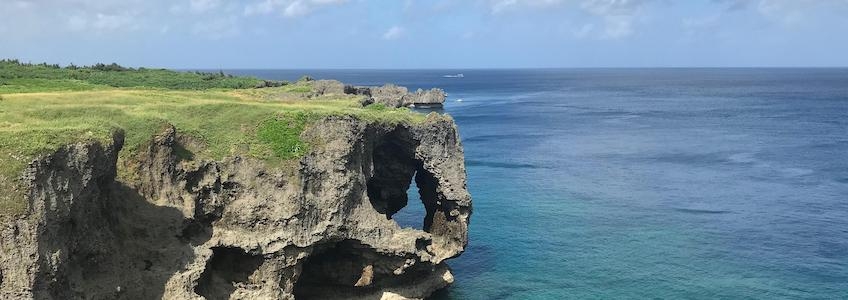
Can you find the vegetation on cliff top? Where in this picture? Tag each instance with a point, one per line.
(18, 77)
(44, 107)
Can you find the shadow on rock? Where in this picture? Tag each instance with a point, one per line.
(116, 245)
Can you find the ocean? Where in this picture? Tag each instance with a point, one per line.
(644, 183)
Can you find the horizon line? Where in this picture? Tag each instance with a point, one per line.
(448, 68)
(494, 68)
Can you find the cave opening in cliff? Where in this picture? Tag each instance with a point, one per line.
(412, 214)
(418, 214)
(228, 268)
(427, 183)
(336, 270)
(390, 187)
(392, 172)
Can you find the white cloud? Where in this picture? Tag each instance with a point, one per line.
(790, 13)
(77, 23)
(101, 23)
(591, 19)
(584, 31)
(217, 28)
(695, 25)
(296, 8)
(260, 8)
(616, 19)
(201, 6)
(106, 22)
(613, 7)
(288, 8)
(34, 19)
(787, 13)
(616, 27)
(21, 4)
(502, 6)
(617, 16)
(394, 33)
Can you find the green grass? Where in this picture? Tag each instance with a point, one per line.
(376, 107)
(291, 92)
(16, 77)
(282, 135)
(225, 122)
(26, 85)
(44, 107)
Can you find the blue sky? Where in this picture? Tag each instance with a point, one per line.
(427, 34)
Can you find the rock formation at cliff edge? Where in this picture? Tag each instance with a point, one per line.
(389, 95)
(236, 229)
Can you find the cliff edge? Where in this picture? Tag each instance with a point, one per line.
(157, 225)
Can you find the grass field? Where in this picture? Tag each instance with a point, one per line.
(18, 77)
(41, 115)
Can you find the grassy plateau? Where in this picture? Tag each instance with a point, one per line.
(44, 107)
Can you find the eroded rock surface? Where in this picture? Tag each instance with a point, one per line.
(431, 97)
(327, 87)
(397, 96)
(235, 229)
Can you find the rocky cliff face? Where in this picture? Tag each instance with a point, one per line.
(235, 229)
(397, 96)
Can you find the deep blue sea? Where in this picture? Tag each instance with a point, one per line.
(645, 183)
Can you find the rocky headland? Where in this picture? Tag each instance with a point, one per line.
(157, 225)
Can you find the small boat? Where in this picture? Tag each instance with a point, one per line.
(459, 100)
(460, 75)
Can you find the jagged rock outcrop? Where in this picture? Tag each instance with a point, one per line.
(327, 87)
(270, 83)
(431, 97)
(236, 229)
(390, 95)
(397, 96)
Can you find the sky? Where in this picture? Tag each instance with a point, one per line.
(427, 33)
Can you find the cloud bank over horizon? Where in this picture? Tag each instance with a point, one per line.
(426, 34)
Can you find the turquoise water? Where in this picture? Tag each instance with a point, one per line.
(646, 183)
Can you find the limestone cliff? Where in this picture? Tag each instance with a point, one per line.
(397, 96)
(238, 229)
